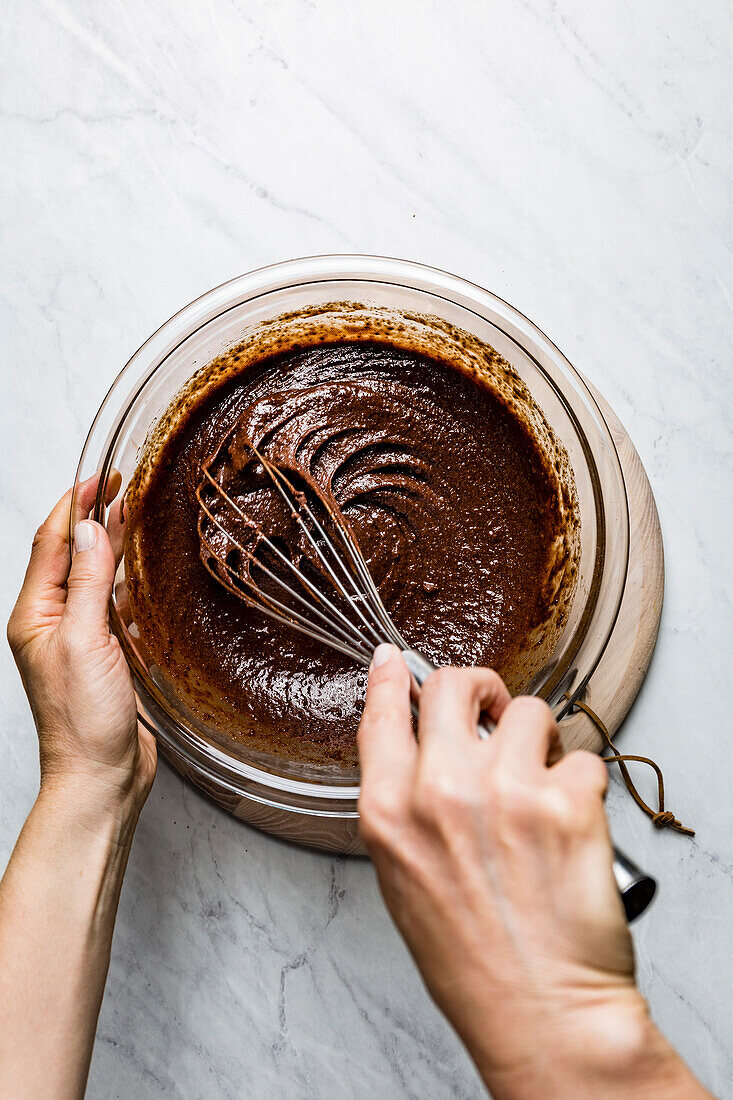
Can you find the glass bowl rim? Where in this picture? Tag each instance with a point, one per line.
(298, 272)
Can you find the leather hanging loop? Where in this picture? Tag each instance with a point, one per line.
(660, 817)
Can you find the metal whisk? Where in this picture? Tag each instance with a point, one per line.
(350, 618)
(302, 604)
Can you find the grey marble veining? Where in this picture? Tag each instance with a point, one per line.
(573, 157)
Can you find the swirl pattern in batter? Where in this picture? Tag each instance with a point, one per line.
(443, 486)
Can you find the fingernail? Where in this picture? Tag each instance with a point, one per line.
(85, 536)
(382, 654)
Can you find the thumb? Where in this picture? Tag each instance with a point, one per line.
(91, 576)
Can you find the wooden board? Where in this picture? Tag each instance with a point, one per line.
(611, 691)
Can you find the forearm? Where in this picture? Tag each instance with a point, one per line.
(58, 901)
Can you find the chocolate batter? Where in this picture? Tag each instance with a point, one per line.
(444, 487)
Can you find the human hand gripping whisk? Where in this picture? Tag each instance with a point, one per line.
(317, 582)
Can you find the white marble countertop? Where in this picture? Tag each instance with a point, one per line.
(573, 157)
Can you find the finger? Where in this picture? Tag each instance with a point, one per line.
(116, 521)
(451, 701)
(525, 735)
(91, 577)
(49, 563)
(581, 772)
(43, 595)
(86, 493)
(116, 517)
(387, 748)
(583, 778)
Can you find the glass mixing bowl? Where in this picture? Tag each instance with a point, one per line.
(317, 804)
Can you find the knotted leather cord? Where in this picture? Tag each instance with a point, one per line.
(661, 818)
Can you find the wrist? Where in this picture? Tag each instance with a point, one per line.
(90, 805)
(609, 1050)
(72, 853)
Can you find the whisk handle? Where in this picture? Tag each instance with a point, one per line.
(421, 667)
(634, 886)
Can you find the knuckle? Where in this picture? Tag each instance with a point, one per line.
(556, 810)
(492, 679)
(15, 633)
(511, 799)
(387, 697)
(590, 770)
(377, 717)
(532, 709)
(518, 805)
(40, 536)
(442, 680)
(490, 676)
(392, 672)
(379, 819)
(46, 536)
(440, 799)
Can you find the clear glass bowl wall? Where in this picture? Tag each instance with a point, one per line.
(219, 320)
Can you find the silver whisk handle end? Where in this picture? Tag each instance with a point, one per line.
(636, 888)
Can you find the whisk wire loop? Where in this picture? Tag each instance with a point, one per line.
(358, 646)
(368, 594)
(292, 499)
(350, 634)
(338, 557)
